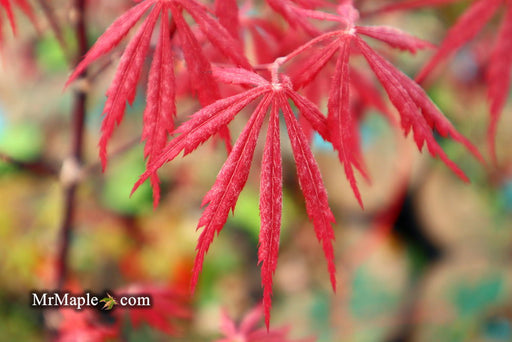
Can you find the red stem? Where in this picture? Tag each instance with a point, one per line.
(77, 127)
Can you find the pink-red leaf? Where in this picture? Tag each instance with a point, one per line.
(310, 68)
(290, 13)
(167, 306)
(499, 75)
(416, 110)
(310, 181)
(228, 185)
(271, 196)
(6, 4)
(111, 37)
(311, 113)
(200, 127)
(248, 330)
(343, 129)
(123, 87)
(217, 34)
(198, 66)
(160, 109)
(369, 94)
(227, 12)
(27, 9)
(467, 26)
(238, 76)
(394, 38)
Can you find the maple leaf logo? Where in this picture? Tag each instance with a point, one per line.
(109, 302)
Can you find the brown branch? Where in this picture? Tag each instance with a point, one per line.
(38, 167)
(70, 174)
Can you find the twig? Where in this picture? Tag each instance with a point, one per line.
(39, 167)
(70, 174)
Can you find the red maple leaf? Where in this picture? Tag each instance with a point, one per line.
(160, 110)
(231, 179)
(84, 325)
(167, 306)
(248, 331)
(417, 112)
(499, 67)
(23, 5)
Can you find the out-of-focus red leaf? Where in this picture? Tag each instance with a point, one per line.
(248, 331)
(468, 25)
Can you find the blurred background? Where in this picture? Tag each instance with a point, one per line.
(428, 259)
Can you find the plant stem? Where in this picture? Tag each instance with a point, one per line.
(77, 129)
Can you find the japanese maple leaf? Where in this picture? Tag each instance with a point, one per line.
(234, 173)
(109, 302)
(500, 63)
(248, 331)
(7, 6)
(167, 307)
(417, 112)
(84, 325)
(160, 109)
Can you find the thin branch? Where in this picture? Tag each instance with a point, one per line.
(39, 167)
(70, 174)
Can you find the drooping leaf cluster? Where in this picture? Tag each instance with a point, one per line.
(469, 24)
(276, 85)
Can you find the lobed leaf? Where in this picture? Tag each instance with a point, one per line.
(416, 111)
(466, 27)
(271, 198)
(395, 38)
(311, 113)
(238, 76)
(111, 37)
(160, 108)
(6, 4)
(27, 9)
(369, 94)
(229, 183)
(217, 34)
(312, 187)
(309, 69)
(344, 135)
(290, 13)
(200, 127)
(167, 306)
(124, 84)
(499, 76)
(197, 65)
(227, 12)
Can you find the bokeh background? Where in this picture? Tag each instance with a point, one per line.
(428, 259)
